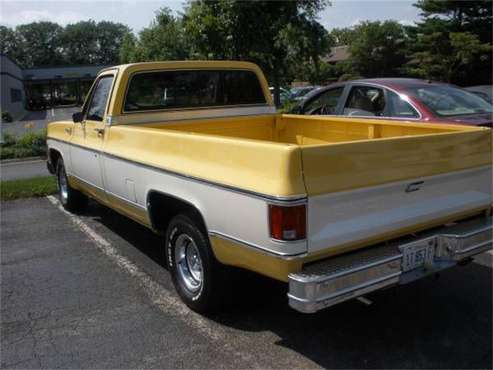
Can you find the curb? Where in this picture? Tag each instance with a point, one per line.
(20, 160)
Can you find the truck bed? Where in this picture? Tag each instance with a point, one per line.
(306, 130)
(366, 180)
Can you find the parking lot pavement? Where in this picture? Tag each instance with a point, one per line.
(38, 120)
(23, 169)
(91, 291)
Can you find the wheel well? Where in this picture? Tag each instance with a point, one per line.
(163, 207)
(53, 157)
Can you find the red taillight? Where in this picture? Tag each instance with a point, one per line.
(287, 223)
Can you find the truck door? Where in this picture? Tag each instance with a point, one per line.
(89, 134)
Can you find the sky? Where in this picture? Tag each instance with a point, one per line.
(138, 14)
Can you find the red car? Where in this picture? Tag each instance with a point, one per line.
(399, 98)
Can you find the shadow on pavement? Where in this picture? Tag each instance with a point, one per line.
(431, 323)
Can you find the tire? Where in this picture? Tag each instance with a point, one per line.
(71, 199)
(198, 277)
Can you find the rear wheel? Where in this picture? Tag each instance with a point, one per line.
(197, 275)
(71, 199)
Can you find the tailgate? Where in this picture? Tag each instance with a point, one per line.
(371, 190)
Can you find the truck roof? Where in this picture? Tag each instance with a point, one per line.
(185, 64)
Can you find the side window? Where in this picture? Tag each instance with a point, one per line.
(365, 101)
(399, 107)
(325, 103)
(99, 98)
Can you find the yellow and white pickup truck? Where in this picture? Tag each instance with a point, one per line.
(336, 207)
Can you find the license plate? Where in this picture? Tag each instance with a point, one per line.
(417, 254)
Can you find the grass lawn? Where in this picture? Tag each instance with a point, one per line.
(26, 188)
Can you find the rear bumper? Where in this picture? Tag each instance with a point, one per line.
(338, 279)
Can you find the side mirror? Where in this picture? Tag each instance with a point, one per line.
(77, 117)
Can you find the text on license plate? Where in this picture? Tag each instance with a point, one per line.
(417, 254)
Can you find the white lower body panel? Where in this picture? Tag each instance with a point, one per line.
(349, 217)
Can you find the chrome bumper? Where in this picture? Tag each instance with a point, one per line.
(325, 283)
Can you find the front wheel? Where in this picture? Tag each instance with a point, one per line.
(71, 199)
(197, 275)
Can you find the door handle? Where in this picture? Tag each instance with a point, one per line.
(68, 130)
(100, 131)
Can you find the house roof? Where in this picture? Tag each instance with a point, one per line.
(338, 54)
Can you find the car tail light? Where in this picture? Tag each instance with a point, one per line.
(287, 223)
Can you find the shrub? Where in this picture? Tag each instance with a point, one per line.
(6, 117)
(31, 144)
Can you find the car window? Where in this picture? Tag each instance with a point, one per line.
(192, 88)
(365, 101)
(399, 107)
(97, 105)
(447, 101)
(325, 103)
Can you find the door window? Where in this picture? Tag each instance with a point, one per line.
(325, 103)
(399, 107)
(365, 101)
(99, 98)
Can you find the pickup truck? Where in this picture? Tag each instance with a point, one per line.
(334, 207)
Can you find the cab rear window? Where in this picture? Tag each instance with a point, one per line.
(192, 89)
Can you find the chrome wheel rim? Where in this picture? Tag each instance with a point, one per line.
(188, 263)
(62, 184)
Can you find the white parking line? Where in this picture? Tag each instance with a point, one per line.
(53, 112)
(158, 294)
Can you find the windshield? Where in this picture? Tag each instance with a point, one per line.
(302, 91)
(450, 101)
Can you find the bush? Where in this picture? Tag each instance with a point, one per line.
(6, 117)
(31, 144)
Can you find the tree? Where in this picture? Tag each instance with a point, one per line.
(278, 35)
(453, 42)
(378, 48)
(164, 39)
(8, 42)
(342, 36)
(38, 44)
(80, 43)
(110, 37)
(127, 49)
(446, 54)
(473, 16)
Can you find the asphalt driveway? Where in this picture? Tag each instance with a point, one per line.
(38, 120)
(90, 291)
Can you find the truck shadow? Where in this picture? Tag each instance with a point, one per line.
(431, 323)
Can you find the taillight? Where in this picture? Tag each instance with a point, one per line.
(287, 223)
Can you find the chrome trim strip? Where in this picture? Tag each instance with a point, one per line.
(86, 182)
(472, 233)
(474, 247)
(285, 256)
(265, 197)
(136, 205)
(347, 290)
(193, 115)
